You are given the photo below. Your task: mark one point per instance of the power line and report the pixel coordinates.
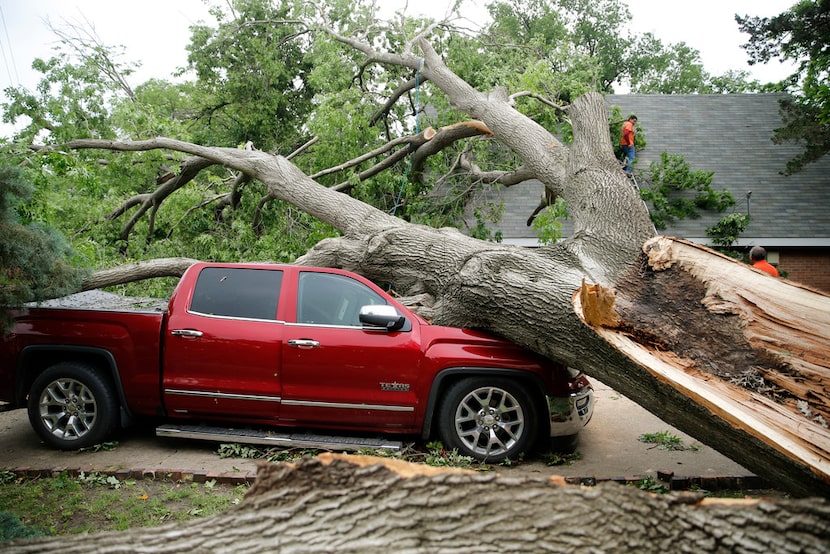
(16, 79)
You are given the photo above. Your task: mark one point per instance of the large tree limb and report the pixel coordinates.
(502, 177)
(359, 504)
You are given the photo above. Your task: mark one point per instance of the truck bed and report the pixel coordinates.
(102, 300)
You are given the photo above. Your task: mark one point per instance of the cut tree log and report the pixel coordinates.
(364, 504)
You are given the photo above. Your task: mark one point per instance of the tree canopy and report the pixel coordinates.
(264, 78)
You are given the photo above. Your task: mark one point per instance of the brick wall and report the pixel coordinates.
(810, 266)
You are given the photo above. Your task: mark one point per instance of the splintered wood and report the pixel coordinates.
(598, 305)
(783, 321)
(788, 321)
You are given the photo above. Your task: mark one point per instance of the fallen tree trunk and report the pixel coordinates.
(527, 295)
(359, 504)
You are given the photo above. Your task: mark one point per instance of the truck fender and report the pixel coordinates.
(36, 358)
(447, 376)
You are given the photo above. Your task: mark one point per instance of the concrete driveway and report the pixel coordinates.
(609, 446)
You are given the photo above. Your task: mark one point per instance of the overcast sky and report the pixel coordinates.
(155, 32)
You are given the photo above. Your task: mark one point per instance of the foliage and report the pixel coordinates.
(650, 484)
(435, 455)
(677, 69)
(487, 212)
(35, 262)
(251, 60)
(108, 446)
(12, 528)
(71, 101)
(726, 231)
(273, 455)
(581, 45)
(548, 222)
(675, 191)
(96, 479)
(263, 78)
(666, 441)
(552, 459)
(802, 35)
(236, 450)
(438, 456)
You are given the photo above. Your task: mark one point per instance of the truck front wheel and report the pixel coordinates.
(71, 406)
(488, 419)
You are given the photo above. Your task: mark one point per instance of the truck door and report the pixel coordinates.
(337, 373)
(222, 350)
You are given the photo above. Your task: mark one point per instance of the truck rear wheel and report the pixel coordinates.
(71, 406)
(488, 419)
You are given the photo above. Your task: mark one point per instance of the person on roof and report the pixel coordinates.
(758, 258)
(627, 142)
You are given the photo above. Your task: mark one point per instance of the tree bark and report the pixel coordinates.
(162, 267)
(363, 504)
(528, 295)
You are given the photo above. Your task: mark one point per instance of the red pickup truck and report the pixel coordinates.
(248, 352)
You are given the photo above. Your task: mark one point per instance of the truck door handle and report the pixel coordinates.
(304, 343)
(185, 333)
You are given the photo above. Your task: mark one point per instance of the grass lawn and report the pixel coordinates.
(95, 502)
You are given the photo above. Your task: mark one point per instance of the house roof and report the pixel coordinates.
(729, 134)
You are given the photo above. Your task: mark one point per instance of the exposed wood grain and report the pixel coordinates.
(786, 320)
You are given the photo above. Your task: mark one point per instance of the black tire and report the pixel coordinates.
(489, 419)
(72, 406)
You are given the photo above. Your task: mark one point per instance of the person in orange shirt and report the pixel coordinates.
(627, 142)
(758, 258)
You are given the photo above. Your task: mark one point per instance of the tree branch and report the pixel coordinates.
(152, 201)
(129, 273)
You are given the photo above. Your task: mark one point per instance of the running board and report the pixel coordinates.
(270, 438)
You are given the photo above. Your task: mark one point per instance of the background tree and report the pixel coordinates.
(801, 35)
(35, 261)
(250, 59)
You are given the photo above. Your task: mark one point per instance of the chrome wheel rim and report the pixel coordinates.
(489, 421)
(67, 409)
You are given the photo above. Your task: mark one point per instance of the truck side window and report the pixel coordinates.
(329, 299)
(237, 292)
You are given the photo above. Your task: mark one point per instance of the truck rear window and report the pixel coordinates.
(237, 292)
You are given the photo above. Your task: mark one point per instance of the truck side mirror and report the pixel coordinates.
(382, 315)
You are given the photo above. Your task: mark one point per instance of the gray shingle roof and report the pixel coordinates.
(727, 134)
